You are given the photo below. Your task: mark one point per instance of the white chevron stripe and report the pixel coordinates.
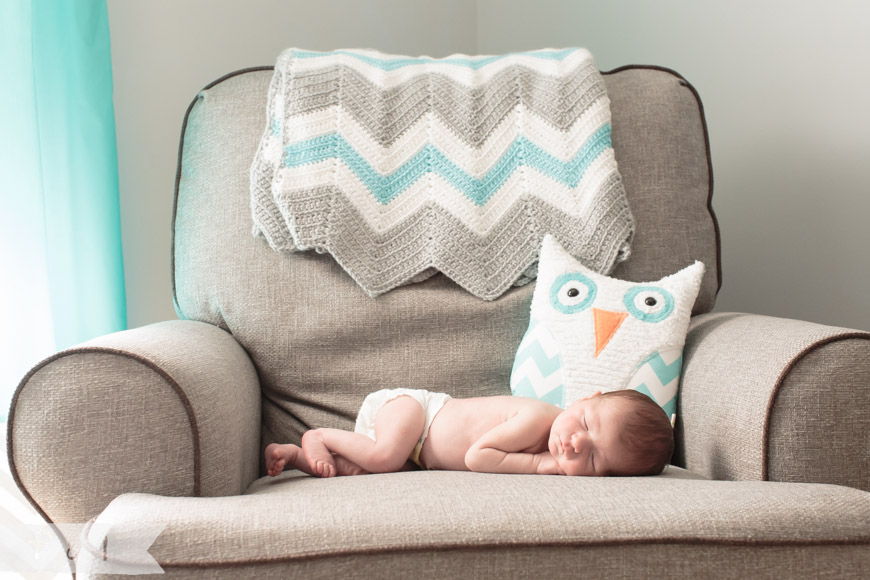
(662, 393)
(670, 354)
(540, 384)
(574, 202)
(476, 161)
(459, 73)
(530, 369)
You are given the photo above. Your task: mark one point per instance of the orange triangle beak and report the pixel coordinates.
(607, 323)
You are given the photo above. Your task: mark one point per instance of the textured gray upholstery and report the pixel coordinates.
(771, 398)
(171, 408)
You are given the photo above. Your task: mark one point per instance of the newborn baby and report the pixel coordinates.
(616, 433)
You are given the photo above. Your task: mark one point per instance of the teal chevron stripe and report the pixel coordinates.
(642, 388)
(385, 188)
(389, 64)
(523, 388)
(546, 364)
(665, 372)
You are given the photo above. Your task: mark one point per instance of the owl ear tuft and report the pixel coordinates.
(693, 272)
(686, 282)
(554, 259)
(549, 248)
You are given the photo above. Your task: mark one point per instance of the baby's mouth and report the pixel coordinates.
(560, 447)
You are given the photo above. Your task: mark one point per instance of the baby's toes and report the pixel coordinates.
(324, 469)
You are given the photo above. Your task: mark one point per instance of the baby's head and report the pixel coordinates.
(616, 433)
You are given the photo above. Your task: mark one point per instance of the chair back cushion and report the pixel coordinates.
(320, 344)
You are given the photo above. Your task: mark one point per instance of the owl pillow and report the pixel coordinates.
(589, 332)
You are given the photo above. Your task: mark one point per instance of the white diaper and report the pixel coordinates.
(431, 402)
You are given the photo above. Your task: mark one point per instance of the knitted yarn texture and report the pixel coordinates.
(401, 167)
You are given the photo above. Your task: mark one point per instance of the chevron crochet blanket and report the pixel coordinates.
(402, 167)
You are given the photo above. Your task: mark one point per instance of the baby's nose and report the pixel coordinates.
(578, 442)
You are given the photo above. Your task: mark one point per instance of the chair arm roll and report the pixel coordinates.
(765, 398)
(172, 408)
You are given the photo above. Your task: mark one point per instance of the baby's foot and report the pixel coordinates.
(319, 458)
(279, 456)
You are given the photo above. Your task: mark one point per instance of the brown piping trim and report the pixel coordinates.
(771, 403)
(749, 543)
(185, 401)
(683, 82)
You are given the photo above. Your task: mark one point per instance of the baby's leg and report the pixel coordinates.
(344, 466)
(398, 427)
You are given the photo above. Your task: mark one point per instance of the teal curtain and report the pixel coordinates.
(61, 264)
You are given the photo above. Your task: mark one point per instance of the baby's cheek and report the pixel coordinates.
(569, 466)
(579, 466)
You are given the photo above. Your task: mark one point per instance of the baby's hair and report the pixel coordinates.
(647, 434)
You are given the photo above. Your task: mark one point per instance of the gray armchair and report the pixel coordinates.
(166, 424)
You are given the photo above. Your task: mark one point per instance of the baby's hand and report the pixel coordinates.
(547, 464)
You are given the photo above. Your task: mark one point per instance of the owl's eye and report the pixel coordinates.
(649, 303)
(572, 293)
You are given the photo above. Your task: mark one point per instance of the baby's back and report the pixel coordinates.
(461, 422)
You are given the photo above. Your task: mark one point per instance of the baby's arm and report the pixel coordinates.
(499, 450)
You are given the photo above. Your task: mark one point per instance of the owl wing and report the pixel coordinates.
(537, 371)
(658, 376)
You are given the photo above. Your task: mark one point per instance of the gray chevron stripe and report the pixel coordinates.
(486, 266)
(268, 221)
(472, 113)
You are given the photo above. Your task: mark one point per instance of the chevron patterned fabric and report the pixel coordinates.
(402, 167)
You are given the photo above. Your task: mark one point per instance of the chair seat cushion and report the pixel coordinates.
(449, 524)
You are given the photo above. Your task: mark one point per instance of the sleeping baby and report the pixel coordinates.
(615, 433)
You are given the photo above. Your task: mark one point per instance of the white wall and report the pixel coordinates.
(786, 93)
(782, 82)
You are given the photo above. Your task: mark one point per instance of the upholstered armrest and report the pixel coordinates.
(172, 409)
(766, 398)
